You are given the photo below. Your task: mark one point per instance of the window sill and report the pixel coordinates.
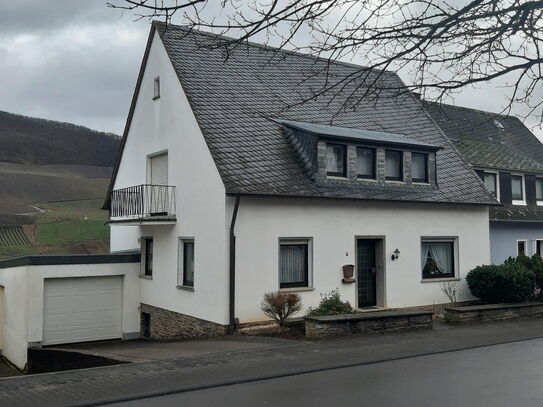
(186, 288)
(337, 177)
(295, 289)
(146, 277)
(367, 179)
(394, 181)
(520, 203)
(420, 183)
(438, 280)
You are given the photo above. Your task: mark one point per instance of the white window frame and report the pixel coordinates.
(497, 181)
(525, 246)
(148, 164)
(538, 202)
(516, 201)
(180, 261)
(534, 245)
(296, 240)
(456, 256)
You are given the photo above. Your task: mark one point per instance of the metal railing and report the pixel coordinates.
(142, 201)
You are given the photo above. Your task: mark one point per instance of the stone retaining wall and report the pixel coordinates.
(167, 324)
(368, 323)
(493, 312)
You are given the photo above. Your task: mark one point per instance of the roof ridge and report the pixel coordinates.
(438, 104)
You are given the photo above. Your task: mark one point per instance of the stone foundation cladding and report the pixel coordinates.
(493, 312)
(172, 325)
(367, 323)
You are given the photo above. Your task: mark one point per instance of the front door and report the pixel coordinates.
(366, 272)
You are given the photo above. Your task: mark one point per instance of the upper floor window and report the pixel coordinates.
(539, 189)
(365, 163)
(517, 188)
(156, 90)
(336, 160)
(185, 276)
(393, 165)
(491, 182)
(148, 256)
(419, 167)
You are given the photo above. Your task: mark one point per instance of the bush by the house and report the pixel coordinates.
(535, 265)
(280, 306)
(508, 282)
(330, 304)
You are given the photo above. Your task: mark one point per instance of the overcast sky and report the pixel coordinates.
(77, 61)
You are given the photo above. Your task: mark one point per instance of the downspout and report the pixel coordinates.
(232, 298)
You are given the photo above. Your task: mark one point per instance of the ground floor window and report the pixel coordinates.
(294, 263)
(538, 247)
(521, 248)
(148, 256)
(186, 262)
(438, 258)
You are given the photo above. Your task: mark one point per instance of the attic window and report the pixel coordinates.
(499, 124)
(156, 93)
(336, 162)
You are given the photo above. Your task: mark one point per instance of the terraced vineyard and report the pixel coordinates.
(13, 236)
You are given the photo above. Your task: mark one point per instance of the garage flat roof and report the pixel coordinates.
(45, 260)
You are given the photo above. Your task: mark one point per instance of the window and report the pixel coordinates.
(539, 189)
(437, 258)
(491, 182)
(521, 248)
(365, 163)
(186, 262)
(293, 263)
(148, 254)
(336, 163)
(419, 167)
(538, 246)
(517, 187)
(393, 165)
(156, 93)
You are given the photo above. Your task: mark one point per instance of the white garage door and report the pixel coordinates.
(82, 309)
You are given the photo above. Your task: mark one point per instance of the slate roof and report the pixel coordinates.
(516, 213)
(484, 144)
(234, 96)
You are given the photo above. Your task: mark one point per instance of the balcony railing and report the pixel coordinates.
(143, 202)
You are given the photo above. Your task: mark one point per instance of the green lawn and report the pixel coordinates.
(71, 231)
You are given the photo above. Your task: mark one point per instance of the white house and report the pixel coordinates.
(232, 188)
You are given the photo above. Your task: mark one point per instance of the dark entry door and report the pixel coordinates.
(366, 272)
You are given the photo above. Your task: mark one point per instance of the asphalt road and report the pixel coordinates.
(501, 375)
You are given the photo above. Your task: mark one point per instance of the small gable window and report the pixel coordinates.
(539, 189)
(491, 182)
(517, 188)
(156, 92)
(419, 167)
(393, 165)
(365, 163)
(336, 163)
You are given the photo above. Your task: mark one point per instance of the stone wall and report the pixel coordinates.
(493, 312)
(172, 325)
(367, 323)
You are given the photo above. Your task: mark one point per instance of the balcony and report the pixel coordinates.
(143, 204)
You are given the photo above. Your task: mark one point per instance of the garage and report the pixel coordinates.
(82, 309)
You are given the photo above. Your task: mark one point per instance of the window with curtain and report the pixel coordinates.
(516, 188)
(393, 165)
(148, 254)
(419, 167)
(186, 263)
(491, 182)
(365, 163)
(293, 263)
(521, 247)
(437, 259)
(336, 163)
(539, 189)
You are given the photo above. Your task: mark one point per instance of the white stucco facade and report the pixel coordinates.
(23, 301)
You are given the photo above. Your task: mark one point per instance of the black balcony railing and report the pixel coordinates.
(143, 201)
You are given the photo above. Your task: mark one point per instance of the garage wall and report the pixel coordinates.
(23, 298)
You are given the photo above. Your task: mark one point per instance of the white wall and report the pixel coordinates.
(23, 300)
(169, 124)
(333, 225)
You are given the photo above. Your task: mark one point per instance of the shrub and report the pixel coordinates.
(508, 282)
(330, 304)
(280, 306)
(535, 265)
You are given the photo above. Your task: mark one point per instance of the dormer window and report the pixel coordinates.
(517, 189)
(365, 163)
(419, 167)
(491, 182)
(156, 92)
(539, 190)
(393, 165)
(336, 160)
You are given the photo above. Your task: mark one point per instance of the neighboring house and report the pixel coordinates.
(231, 187)
(509, 159)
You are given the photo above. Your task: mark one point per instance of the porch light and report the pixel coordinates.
(395, 254)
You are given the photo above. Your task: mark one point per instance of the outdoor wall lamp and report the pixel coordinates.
(395, 254)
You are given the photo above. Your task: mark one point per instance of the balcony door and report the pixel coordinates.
(158, 178)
